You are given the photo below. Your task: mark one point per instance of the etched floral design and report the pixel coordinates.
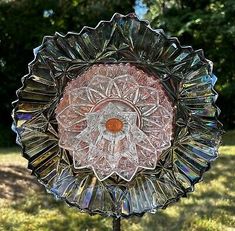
(115, 119)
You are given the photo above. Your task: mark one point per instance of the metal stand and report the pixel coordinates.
(116, 224)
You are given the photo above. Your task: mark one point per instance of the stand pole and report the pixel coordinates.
(116, 224)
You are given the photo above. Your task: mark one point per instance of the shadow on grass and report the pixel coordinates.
(6, 151)
(16, 182)
(228, 138)
(30, 198)
(63, 217)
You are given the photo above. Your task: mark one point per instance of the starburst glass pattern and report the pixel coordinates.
(108, 94)
(62, 60)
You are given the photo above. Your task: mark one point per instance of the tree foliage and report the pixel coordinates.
(23, 23)
(206, 24)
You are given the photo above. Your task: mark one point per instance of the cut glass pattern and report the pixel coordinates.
(105, 93)
(65, 62)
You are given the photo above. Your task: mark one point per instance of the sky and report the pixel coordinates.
(140, 8)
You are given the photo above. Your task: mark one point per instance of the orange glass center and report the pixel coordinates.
(114, 125)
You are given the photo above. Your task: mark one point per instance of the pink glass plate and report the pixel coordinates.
(127, 96)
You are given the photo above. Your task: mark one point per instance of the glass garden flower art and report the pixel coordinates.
(119, 119)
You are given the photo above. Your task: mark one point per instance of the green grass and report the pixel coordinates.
(210, 208)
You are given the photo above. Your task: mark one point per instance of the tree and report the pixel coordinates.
(23, 23)
(207, 24)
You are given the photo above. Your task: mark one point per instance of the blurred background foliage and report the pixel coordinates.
(207, 24)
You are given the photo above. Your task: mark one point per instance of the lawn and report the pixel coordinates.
(25, 206)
